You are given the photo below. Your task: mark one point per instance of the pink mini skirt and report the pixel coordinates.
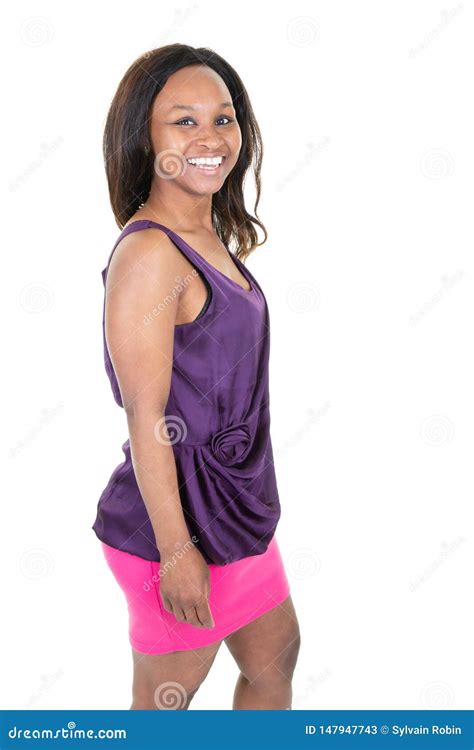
(239, 593)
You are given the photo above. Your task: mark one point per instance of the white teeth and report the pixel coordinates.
(208, 162)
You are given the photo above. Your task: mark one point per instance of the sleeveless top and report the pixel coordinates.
(218, 421)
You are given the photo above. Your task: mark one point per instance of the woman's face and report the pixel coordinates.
(193, 119)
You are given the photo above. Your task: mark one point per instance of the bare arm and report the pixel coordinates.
(141, 286)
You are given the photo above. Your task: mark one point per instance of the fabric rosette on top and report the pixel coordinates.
(232, 444)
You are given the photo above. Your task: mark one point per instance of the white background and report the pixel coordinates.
(365, 112)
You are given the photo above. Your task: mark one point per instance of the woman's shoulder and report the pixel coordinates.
(143, 250)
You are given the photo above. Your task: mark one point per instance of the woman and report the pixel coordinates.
(187, 521)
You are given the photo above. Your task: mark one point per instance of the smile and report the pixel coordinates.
(206, 163)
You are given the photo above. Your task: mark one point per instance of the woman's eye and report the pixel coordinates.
(189, 119)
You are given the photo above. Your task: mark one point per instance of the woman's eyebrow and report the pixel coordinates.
(188, 106)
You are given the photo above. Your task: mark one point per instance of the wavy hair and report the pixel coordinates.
(128, 152)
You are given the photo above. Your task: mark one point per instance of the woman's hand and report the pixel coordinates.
(185, 586)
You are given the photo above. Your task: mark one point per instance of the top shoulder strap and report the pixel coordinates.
(182, 245)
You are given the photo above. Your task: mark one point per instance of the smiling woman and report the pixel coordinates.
(187, 521)
(142, 137)
(176, 141)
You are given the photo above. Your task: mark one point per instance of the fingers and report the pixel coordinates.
(204, 614)
(188, 616)
(198, 614)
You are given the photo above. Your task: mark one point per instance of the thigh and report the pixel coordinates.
(267, 645)
(168, 681)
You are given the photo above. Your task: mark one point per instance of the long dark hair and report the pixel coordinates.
(128, 152)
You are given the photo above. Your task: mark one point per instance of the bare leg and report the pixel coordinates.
(169, 681)
(266, 652)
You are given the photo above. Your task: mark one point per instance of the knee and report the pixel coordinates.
(277, 669)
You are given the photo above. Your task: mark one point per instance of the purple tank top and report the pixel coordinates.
(218, 420)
